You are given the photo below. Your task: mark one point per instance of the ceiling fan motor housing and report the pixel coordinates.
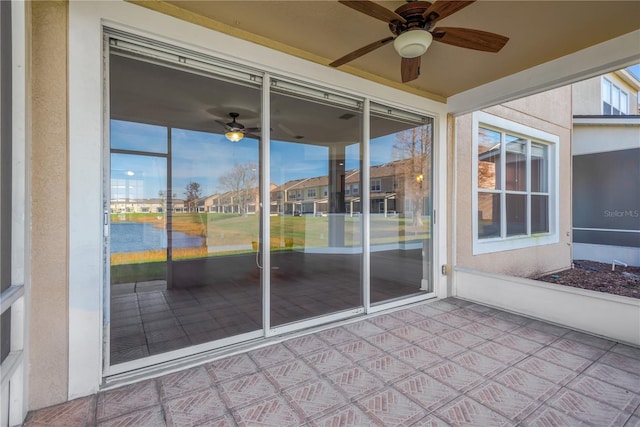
(412, 13)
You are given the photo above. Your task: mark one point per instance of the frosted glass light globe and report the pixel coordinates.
(413, 43)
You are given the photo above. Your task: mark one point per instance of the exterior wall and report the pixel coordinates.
(48, 325)
(587, 98)
(587, 95)
(550, 112)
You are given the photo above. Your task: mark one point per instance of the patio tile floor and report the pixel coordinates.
(442, 363)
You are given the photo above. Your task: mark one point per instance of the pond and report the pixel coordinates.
(139, 237)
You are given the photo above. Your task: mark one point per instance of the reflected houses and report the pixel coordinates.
(394, 189)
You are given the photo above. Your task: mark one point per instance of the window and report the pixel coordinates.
(311, 193)
(355, 189)
(375, 185)
(515, 175)
(615, 101)
(325, 191)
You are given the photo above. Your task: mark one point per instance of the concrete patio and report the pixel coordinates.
(447, 362)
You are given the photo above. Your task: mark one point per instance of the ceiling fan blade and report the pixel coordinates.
(374, 10)
(358, 53)
(470, 39)
(410, 69)
(251, 130)
(444, 8)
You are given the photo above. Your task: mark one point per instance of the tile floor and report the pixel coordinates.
(148, 319)
(438, 363)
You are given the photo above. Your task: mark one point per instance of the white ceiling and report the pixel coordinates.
(322, 31)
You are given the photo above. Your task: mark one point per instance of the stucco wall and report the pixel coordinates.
(550, 112)
(587, 95)
(48, 343)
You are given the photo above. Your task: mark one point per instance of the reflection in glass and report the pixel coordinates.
(488, 215)
(400, 198)
(315, 226)
(489, 175)
(539, 172)
(539, 214)
(138, 137)
(516, 205)
(516, 164)
(184, 210)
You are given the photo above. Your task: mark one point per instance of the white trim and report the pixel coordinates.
(504, 243)
(593, 61)
(607, 121)
(619, 230)
(365, 206)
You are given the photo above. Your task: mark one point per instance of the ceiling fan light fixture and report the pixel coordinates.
(234, 135)
(412, 44)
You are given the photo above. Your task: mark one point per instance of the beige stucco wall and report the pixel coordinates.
(587, 96)
(48, 326)
(550, 112)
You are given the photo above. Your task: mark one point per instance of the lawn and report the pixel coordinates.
(225, 234)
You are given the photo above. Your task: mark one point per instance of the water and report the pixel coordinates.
(138, 237)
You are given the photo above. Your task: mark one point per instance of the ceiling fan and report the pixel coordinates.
(413, 27)
(236, 131)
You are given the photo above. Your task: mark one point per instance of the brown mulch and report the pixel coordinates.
(597, 276)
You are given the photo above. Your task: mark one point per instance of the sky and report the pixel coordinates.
(205, 157)
(635, 69)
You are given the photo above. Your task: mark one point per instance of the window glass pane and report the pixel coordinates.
(516, 163)
(606, 109)
(539, 168)
(185, 219)
(400, 207)
(516, 205)
(5, 334)
(316, 248)
(539, 214)
(615, 98)
(138, 137)
(488, 215)
(606, 91)
(488, 159)
(624, 103)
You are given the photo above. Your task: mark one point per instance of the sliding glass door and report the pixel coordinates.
(184, 209)
(316, 220)
(197, 260)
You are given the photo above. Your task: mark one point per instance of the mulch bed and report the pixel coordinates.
(597, 276)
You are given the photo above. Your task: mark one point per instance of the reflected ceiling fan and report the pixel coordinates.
(412, 25)
(236, 131)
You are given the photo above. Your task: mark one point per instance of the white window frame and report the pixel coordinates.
(614, 98)
(498, 244)
(311, 193)
(376, 185)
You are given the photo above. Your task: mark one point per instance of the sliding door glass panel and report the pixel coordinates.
(315, 221)
(400, 191)
(138, 234)
(217, 214)
(184, 208)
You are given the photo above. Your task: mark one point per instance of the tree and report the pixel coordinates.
(192, 193)
(413, 150)
(242, 182)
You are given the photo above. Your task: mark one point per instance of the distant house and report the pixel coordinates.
(606, 168)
